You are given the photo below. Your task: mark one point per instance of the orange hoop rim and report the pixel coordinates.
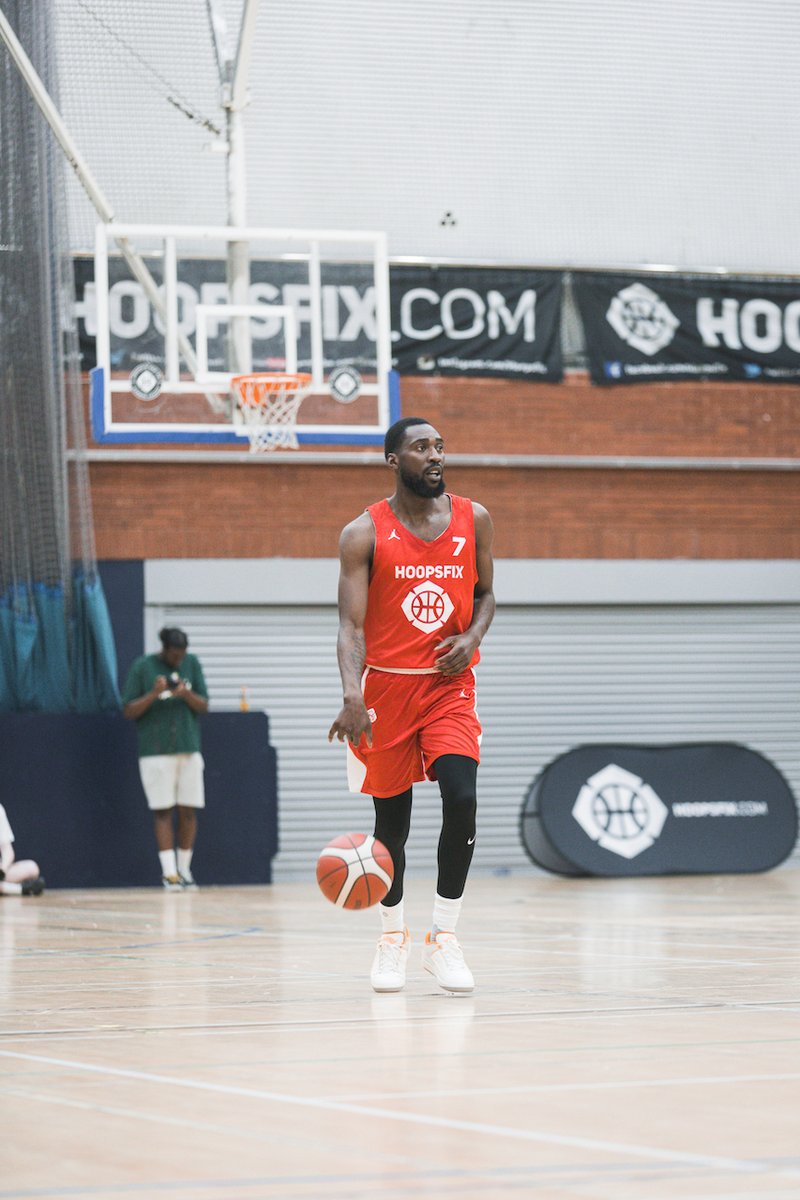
(273, 381)
(260, 391)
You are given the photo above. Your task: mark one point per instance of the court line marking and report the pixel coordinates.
(527, 1015)
(234, 1131)
(103, 1033)
(772, 1195)
(509, 1177)
(115, 952)
(526, 1088)
(713, 1162)
(118, 951)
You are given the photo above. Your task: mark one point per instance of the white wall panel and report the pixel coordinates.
(553, 676)
(557, 132)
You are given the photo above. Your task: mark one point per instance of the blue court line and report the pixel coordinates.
(109, 952)
(211, 937)
(501, 1174)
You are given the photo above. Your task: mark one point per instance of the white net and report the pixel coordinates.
(557, 133)
(141, 96)
(268, 405)
(45, 511)
(56, 644)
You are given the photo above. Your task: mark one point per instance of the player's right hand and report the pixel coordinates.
(159, 685)
(352, 723)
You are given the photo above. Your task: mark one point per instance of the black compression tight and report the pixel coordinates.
(456, 775)
(392, 825)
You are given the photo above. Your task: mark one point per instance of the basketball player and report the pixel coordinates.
(415, 600)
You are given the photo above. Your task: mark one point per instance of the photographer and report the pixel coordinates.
(164, 694)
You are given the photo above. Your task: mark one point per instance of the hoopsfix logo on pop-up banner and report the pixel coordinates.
(659, 810)
(619, 811)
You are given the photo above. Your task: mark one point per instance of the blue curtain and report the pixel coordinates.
(19, 628)
(94, 655)
(50, 662)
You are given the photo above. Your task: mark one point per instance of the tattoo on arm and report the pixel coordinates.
(358, 653)
(352, 653)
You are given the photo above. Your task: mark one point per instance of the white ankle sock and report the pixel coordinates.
(185, 863)
(392, 920)
(168, 863)
(445, 914)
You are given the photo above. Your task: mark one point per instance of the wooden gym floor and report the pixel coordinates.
(627, 1038)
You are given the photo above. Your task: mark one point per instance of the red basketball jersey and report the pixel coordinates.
(419, 592)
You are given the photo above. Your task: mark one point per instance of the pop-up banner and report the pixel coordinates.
(645, 328)
(706, 808)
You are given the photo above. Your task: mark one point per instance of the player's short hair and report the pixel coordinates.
(173, 638)
(395, 433)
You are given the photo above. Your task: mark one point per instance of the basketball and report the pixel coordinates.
(354, 871)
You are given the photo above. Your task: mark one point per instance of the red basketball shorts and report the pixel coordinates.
(415, 718)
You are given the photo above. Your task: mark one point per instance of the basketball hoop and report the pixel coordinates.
(268, 407)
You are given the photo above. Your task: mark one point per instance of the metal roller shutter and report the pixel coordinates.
(552, 677)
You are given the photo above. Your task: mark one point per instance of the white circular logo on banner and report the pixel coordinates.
(641, 318)
(427, 606)
(619, 811)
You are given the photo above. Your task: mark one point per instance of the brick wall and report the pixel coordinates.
(145, 510)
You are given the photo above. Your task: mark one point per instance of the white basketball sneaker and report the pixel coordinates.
(388, 972)
(444, 958)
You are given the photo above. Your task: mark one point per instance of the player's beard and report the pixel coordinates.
(420, 486)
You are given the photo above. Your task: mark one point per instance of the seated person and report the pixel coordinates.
(17, 878)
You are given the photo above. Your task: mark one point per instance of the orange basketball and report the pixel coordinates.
(355, 871)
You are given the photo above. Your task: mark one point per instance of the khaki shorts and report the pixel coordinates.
(170, 779)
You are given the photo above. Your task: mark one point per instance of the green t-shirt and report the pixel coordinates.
(169, 726)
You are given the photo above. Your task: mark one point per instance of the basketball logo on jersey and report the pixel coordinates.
(427, 606)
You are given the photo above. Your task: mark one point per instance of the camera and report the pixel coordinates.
(173, 681)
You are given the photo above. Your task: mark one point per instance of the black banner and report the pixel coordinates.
(662, 327)
(659, 810)
(488, 321)
(478, 321)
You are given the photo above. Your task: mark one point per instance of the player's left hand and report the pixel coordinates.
(458, 652)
